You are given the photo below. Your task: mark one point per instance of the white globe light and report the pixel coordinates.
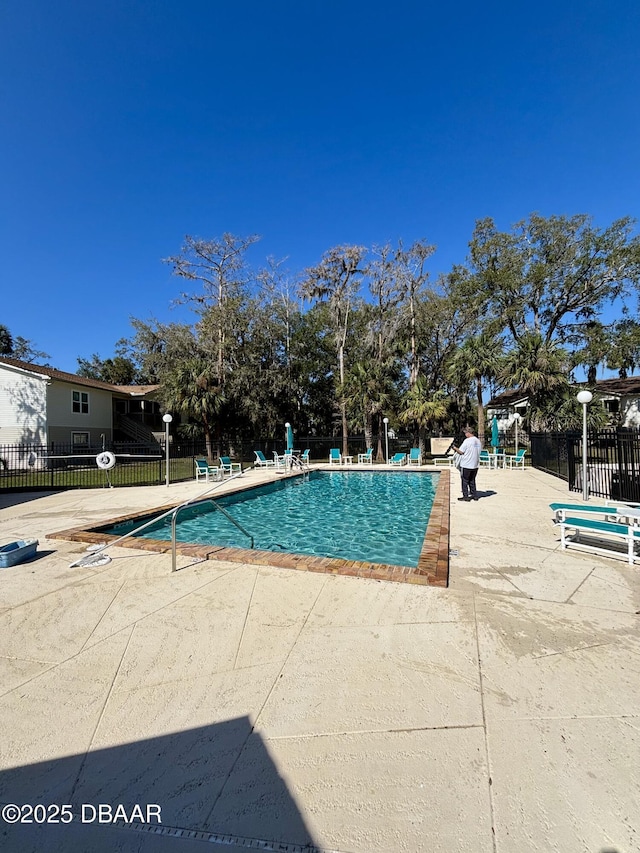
(585, 397)
(385, 420)
(167, 418)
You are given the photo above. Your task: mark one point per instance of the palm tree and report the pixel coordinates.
(539, 369)
(479, 358)
(366, 394)
(423, 409)
(191, 389)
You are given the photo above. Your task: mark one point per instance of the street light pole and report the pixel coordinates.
(167, 420)
(385, 421)
(584, 397)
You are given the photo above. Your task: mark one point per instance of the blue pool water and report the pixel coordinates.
(377, 517)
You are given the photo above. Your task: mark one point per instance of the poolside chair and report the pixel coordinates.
(203, 469)
(516, 461)
(304, 457)
(415, 457)
(485, 459)
(335, 457)
(262, 461)
(398, 459)
(444, 460)
(366, 457)
(229, 467)
(279, 460)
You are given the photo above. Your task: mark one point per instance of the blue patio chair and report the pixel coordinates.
(279, 460)
(366, 457)
(335, 457)
(415, 457)
(516, 461)
(262, 461)
(485, 459)
(203, 469)
(229, 467)
(398, 459)
(304, 457)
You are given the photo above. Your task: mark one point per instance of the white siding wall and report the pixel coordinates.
(22, 407)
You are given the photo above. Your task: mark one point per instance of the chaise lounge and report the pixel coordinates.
(398, 459)
(262, 461)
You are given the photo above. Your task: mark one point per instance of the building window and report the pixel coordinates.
(80, 403)
(80, 439)
(612, 406)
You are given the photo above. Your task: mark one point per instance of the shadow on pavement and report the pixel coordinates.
(213, 782)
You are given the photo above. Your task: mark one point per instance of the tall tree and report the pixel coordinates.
(549, 273)
(424, 408)
(191, 389)
(593, 342)
(219, 267)
(118, 370)
(336, 280)
(412, 273)
(540, 369)
(155, 348)
(476, 360)
(368, 391)
(624, 348)
(19, 347)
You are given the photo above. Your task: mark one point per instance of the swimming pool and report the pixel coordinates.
(378, 517)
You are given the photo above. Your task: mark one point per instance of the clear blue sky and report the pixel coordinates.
(126, 125)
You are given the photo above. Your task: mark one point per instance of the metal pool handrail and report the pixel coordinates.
(174, 521)
(85, 560)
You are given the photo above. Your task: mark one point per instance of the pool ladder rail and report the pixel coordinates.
(174, 522)
(97, 557)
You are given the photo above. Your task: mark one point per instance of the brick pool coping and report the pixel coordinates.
(432, 568)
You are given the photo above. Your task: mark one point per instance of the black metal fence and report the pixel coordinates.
(31, 467)
(613, 460)
(59, 466)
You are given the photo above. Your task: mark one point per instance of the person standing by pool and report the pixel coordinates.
(469, 451)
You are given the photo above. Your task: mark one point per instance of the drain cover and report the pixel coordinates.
(234, 841)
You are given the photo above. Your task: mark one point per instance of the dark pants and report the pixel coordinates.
(469, 482)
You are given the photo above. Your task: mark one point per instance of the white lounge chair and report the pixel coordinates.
(262, 461)
(229, 467)
(366, 457)
(415, 457)
(203, 469)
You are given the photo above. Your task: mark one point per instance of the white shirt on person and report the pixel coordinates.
(470, 448)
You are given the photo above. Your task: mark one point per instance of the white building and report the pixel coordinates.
(44, 407)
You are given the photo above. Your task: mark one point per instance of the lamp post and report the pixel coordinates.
(167, 420)
(517, 417)
(385, 421)
(584, 397)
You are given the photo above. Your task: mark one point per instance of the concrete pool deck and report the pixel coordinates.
(256, 704)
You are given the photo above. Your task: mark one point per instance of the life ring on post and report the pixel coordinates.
(105, 460)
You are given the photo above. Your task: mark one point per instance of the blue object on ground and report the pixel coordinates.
(17, 552)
